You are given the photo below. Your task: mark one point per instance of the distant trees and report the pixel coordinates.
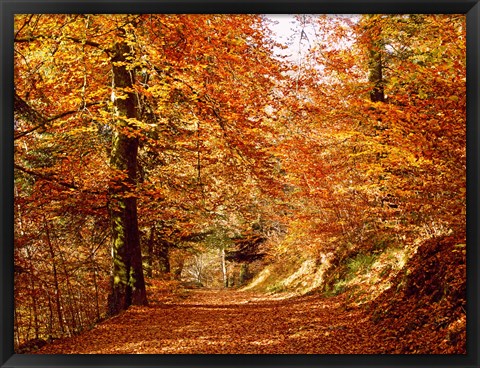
(378, 111)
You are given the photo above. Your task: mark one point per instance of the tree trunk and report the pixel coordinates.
(33, 289)
(163, 256)
(33, 293)
(55, 277)
(376, 75)
(244, 274)
(127, 281)
(224, 267)
(150, 252)
(95, 285)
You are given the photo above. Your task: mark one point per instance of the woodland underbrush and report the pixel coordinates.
(425, 310)
(415, 294)
(358, 269)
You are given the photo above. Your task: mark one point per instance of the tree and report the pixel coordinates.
(128, 285)
(366, 120)
(140, 120)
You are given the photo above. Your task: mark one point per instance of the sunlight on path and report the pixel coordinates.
(227, 322)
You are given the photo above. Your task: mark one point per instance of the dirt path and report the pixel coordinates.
(228, 322)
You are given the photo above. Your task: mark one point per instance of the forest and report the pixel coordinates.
(213, 183)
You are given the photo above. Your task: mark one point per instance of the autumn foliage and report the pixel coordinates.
(185, 148)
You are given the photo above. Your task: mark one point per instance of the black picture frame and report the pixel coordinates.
(10, 7)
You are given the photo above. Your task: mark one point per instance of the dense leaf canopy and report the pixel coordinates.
(186, 146)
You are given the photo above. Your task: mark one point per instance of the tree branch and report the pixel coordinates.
(74, 39)
(54, 179)
(44, 177)
(29, 113)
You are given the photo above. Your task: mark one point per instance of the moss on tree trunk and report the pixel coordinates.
(127, 280)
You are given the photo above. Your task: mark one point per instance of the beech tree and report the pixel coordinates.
(160, 110)
(128, 282)
(361, 105)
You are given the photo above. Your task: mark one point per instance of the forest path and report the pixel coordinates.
(228, 322)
